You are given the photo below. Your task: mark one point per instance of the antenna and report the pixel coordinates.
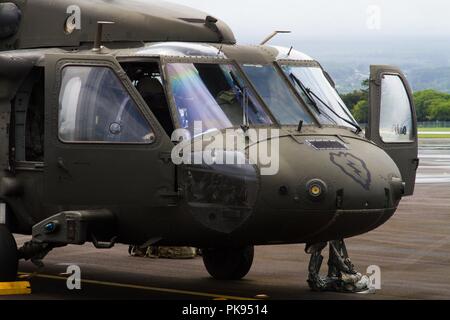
(99, 35)
(273, 34)
(300, 126)
(290, 50)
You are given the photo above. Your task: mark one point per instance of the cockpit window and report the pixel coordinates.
(315, 89)
(94, 106)
(212, 94)
(277, 95)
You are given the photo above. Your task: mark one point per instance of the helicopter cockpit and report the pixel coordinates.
(204, 85)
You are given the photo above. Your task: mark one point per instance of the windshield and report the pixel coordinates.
(282, 102)
(319, 94)
(213, 95)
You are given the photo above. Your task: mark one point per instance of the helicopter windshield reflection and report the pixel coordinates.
(208, 93)
(277, 95)
(322, 92)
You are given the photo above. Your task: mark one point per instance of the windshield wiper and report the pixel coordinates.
(311, 95)
(356, 126)
(310, 98)
(305, 91)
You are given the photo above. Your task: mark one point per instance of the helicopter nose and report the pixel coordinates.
(328, 189)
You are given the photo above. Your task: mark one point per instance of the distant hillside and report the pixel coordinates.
(437, 78)
(348, 77)
(426, 62)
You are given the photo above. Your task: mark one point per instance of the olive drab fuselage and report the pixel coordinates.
(332, 181)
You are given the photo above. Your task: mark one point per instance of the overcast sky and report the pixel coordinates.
(251, 20)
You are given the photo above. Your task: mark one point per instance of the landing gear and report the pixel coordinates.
(8, 256)
(342, 276)
(228, 263)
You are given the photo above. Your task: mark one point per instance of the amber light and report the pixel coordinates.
(315, 190)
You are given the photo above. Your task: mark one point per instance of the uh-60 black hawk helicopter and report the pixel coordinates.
(91, 92)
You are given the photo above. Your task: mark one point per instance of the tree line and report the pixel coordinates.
(431, 105)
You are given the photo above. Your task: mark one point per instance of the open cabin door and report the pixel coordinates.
(104, 146)
(393, 120)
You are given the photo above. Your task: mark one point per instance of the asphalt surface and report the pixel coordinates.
(412, 250)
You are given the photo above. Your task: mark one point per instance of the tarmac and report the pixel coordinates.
(412, 251)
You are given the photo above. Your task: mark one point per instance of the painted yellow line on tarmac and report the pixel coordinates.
(138, 287)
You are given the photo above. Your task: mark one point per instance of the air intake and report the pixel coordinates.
(327, 144)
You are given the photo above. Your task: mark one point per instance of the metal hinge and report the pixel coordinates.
(416, 162)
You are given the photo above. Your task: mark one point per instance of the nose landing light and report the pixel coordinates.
(316, 189)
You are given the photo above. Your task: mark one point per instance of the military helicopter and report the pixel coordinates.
(92, 92)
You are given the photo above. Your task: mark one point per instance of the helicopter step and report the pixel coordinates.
(71, 227)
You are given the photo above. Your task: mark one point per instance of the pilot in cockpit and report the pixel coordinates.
(153, 94)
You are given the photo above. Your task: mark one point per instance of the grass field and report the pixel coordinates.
(434, 136)
(434, 130)
(427, 133)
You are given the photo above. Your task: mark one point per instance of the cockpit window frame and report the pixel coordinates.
(300, 63)
(164, 60)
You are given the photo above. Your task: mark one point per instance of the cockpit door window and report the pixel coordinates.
(94, 107)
